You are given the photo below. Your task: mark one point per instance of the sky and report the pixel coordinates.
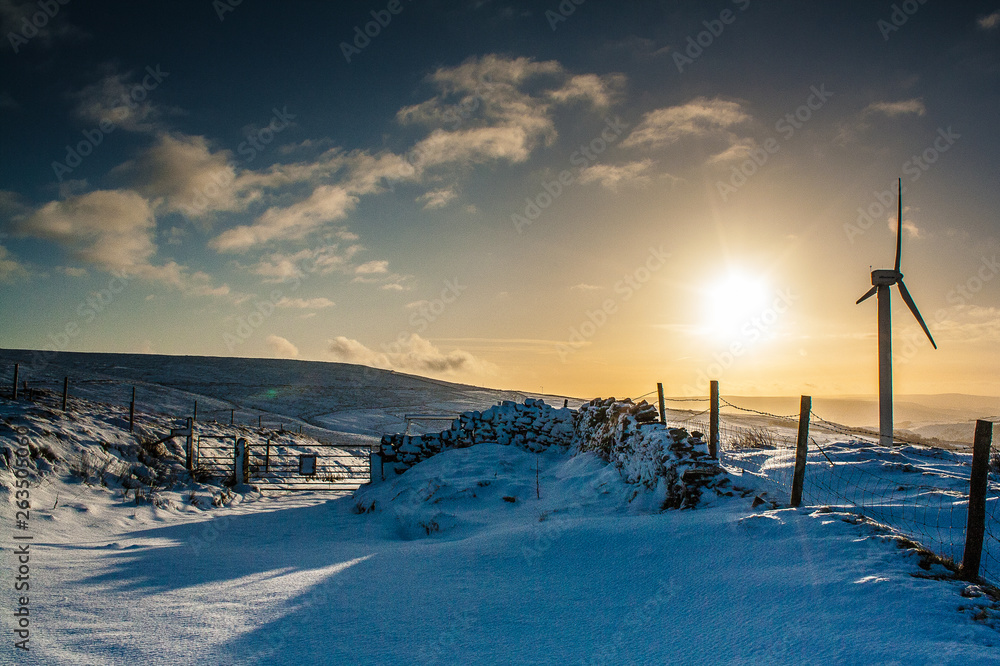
(579, 198)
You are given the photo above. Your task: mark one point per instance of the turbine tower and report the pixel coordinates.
(882, 280)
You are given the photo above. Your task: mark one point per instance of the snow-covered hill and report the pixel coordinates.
(490, 553)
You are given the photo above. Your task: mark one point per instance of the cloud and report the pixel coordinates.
(414, 355)
(737, 151)
(990, 22)
(185, 175)
(111, 229)
(372, 268)
(700, 117)
(599, 91)
(893, 109)
(499, 108)
(281, 348)
(10, 268)
(305, 303)
(611, 176)
(908, 225)
(327, 203)
(279, 267)
(14, 13)
(437, 198)
(115, 99)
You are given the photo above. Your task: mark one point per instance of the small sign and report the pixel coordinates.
(307, 464)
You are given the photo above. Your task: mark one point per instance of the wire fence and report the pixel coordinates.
(917, 491)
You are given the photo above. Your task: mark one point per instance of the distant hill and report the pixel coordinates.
(336, 397)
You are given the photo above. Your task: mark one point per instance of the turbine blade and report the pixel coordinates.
(913, 308)
(868, 294)
(899, 225)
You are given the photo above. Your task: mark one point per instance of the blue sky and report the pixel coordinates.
(577, 198)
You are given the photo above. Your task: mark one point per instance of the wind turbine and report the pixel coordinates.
(882, 280)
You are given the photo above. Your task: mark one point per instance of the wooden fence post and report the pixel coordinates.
(267, 455)
(801, 450)
(232, 416)
(131, 412)
(976, 528)
(713, 421)
(194, 416)
(65, 391)
(17, 366)
(192, 461)
(241, 462)
(663, 411)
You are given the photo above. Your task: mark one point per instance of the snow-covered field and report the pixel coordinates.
(447, 571)
(486, 554)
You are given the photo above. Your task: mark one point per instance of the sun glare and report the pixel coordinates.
(731, 301)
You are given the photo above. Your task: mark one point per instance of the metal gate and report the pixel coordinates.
(312, 466)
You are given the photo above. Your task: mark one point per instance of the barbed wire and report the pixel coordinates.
(757, 411)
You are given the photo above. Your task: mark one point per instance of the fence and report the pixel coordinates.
(274, 457)
(920, 492)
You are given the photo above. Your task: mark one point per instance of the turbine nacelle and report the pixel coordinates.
(885, 277)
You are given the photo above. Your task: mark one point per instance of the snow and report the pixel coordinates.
(466, 558)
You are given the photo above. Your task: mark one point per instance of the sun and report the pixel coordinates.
(731, 301)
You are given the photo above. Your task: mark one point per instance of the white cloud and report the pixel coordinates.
(893, 109)
(990, 22)
(281, 348)
(908, 225)
(111, 100)
(327, 203)
(737, 151)
(10, 268)
(700, 117)
(184, 175)
(304, 303)
(599, 91)
(372, 268)
(278, 266)
(415, 355)
(437, 198)
(111, 229)
(611, 176)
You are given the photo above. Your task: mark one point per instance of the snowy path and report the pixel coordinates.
(299, 580)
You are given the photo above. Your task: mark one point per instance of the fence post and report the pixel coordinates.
(801, 450)
(232, 416)
(663, 411)
(65, 391)
(977, 501)
(131, 412)
(713, 422)
(17, 366)
(267, 455)
(239, 454)
(191, 462)
(194, 416)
